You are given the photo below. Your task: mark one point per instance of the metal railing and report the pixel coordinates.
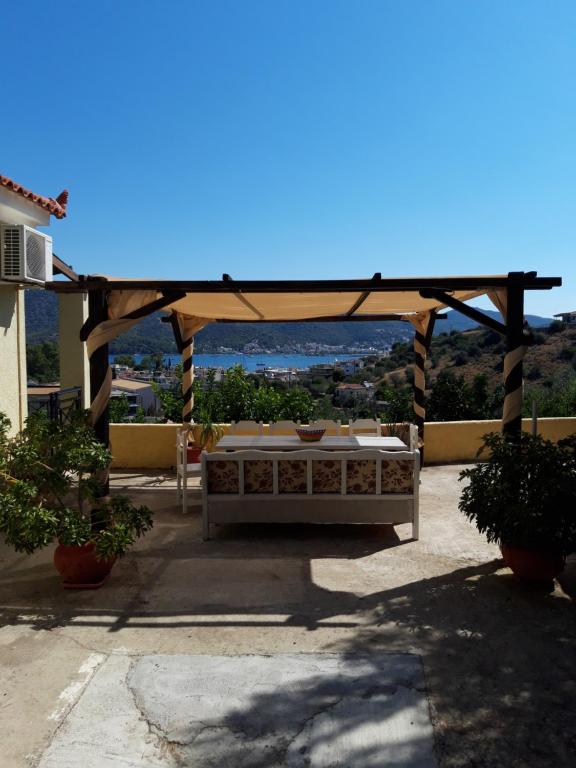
(58, 406)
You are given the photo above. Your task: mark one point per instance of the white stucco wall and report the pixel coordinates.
(74, 367)
(13, 400)
(14, 209)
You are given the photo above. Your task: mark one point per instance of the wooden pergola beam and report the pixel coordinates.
(464, 309)
(415, 284)
(60, 268)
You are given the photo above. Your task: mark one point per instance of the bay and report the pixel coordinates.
(253, 362)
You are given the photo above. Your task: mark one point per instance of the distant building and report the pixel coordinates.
(287, 375)
(139, 394)
(350, 367)
(567, 317)
(354, 393)
(205, 374)
(321, 371)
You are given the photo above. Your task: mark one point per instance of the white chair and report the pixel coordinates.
(184, 470)
(283, 427)
(365, 427)
(246, 428)
(332, 427)
(408, 433)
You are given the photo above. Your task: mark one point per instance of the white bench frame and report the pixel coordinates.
(310, 507)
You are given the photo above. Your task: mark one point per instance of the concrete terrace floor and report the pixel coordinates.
(499, 657)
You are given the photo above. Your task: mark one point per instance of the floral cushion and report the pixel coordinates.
(397, 476)
(292, 476)
(223, 476)
(326, 476)
(258, 477)
(361, 476)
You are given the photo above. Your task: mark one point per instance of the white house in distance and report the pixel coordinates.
(25, 261)
(348, 394)
(138, 393)
(350, 367)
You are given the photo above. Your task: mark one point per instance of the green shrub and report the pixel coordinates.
(524, 495)
(49, 490)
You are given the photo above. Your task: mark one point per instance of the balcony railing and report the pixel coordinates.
(59, 405)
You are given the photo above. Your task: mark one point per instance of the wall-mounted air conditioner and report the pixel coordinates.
(25, 254)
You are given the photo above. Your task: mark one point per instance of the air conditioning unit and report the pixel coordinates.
(25, 254)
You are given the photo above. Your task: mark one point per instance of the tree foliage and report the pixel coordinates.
(49, 487)
(524, 495)
(453, 399)
(237, 397)
(42, 362)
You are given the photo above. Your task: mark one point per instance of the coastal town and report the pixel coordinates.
(139, 387)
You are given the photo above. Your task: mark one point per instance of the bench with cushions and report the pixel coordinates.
(311, 486)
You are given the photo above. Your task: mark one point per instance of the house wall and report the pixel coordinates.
(13, 399)
(153, 446)
(14, 209)
(74, 366)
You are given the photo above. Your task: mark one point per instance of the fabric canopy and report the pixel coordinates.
(289, 307)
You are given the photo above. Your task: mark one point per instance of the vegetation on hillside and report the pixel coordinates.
(464, 373)
(42, 362)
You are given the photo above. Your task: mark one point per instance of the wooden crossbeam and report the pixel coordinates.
(482, 283)
(60, 268)
(464, 309)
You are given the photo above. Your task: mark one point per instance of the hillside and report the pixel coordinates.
(151, 335)
(551, 359)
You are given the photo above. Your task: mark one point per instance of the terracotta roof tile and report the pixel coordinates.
(57, 207)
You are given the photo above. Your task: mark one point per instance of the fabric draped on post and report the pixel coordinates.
(500, 300)
(517, 342)
(423, 326)
(187, 380)
(123, 309)
(513, 387)
(187, 328)
(120, 304)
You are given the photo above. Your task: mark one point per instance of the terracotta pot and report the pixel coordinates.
(532, 565)
(193, 455)
(79, 567)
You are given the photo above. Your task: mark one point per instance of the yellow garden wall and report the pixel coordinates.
(153, 446)
(451, 441)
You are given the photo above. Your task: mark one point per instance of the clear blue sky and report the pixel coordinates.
(299, 138)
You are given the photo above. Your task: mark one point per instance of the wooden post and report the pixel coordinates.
(516, 343)
(422, 341)
(100, 376)
(187, 379)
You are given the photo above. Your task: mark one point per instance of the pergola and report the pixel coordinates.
(116, 304)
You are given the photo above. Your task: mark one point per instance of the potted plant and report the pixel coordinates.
(49, 490)
(523, 497)
(207, 435)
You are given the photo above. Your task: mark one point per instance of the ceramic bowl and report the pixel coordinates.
(310, 434)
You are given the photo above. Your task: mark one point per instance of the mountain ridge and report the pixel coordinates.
(151, 335)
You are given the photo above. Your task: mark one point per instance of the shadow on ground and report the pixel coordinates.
(499, 657)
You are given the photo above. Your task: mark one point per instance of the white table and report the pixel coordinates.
(293, 443)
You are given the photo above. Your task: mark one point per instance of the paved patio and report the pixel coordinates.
(499, 658)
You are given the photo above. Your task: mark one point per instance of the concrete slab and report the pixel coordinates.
(499, 657)
(250, 711)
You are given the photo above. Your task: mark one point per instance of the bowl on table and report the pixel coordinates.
(310, 434)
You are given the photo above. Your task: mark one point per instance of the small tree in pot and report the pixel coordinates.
(49, 490)
(524, 498)
(206, 434)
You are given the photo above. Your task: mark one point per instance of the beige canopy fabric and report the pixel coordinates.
(119, 303)
(290, 307)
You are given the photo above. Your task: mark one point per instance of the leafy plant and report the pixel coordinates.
(49, 490)
(209, 433)
(525, 493)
